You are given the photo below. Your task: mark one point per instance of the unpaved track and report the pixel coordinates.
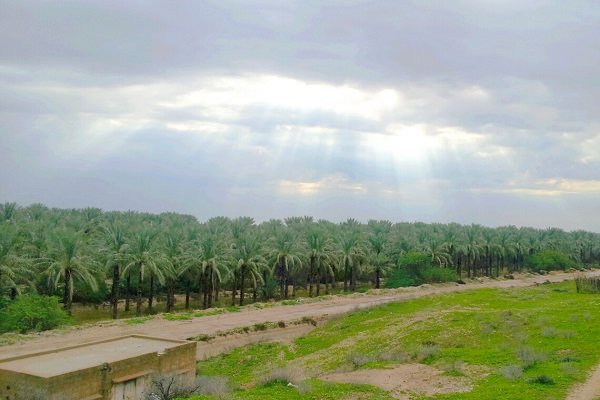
(212, 324)
(589, 390)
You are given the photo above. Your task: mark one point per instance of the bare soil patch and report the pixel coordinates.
(589, 390)
(405, 380)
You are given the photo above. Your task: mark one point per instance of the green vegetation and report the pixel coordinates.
(549, 260)
(532, 343)
(416, 268)
(32, 313)
(140, 264)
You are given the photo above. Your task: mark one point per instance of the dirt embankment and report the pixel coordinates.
(210, 325)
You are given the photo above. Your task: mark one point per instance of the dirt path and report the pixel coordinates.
(211, 324)
(589, 390)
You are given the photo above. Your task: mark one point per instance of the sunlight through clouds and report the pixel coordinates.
(233, 93)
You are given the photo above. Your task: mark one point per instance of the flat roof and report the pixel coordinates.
(70, 359)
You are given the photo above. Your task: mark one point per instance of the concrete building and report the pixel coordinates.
(113, 369)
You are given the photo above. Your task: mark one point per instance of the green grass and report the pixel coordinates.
(548, 331)
(137, 320)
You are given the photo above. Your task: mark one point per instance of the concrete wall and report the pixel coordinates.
(97, 382)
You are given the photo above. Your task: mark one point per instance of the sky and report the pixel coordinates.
(464, 111)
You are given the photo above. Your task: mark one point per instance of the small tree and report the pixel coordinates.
(32, 312)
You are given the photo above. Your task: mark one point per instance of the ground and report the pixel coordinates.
(362, 339)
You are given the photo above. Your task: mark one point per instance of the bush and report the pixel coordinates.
(415, 269)
(32, 312)
(549, 260)
(529, 357)
(542, 380)
(512, 372)
(439, 275)
(260, 326)
(170, 387)
(283, 375)
(358, 360)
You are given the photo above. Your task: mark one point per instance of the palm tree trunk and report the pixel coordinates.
(127, 290)
(234, 290)
(169, 305)
(353, 278)
(205, 296)
(242, 276)
(187, 294)
(68, 292)
(210, 288)
(345, 275)
(311, 276)
(377, 277)
(318, 276)
(114, 295)
(281, 273)
(151, 294)
(217, 290)
(13, 293)
(138, 306)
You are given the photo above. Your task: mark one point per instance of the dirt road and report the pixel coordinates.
(211, 324)
(589, 390)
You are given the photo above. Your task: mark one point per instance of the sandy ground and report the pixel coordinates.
(590, 390)
(223, 322)
(405, 380)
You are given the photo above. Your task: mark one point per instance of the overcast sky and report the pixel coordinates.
(468, 111)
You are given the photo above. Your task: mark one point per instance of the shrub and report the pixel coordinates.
(542, 380)
(260, 326)
(170, 387)
(529, 357)
(216, 386)
(439, 275)
(415, 269)
(358, 360)
(32, 312)
(427, 352)
(308, 320)
(283, 375)
(549, 260)
(512, 372)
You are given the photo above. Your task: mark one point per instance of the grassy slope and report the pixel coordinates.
(486, 328)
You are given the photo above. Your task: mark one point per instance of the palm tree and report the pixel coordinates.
(13, 269)
(350, 252)
(471, 249)
(285, 257)
(115, 250)
(318, 254)
(378, 259)
(143, 258)
(212, 254)
(65, 261)
(173, 264)
(249, 261)
(438, 252)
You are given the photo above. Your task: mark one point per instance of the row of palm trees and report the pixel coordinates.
(48, 249)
